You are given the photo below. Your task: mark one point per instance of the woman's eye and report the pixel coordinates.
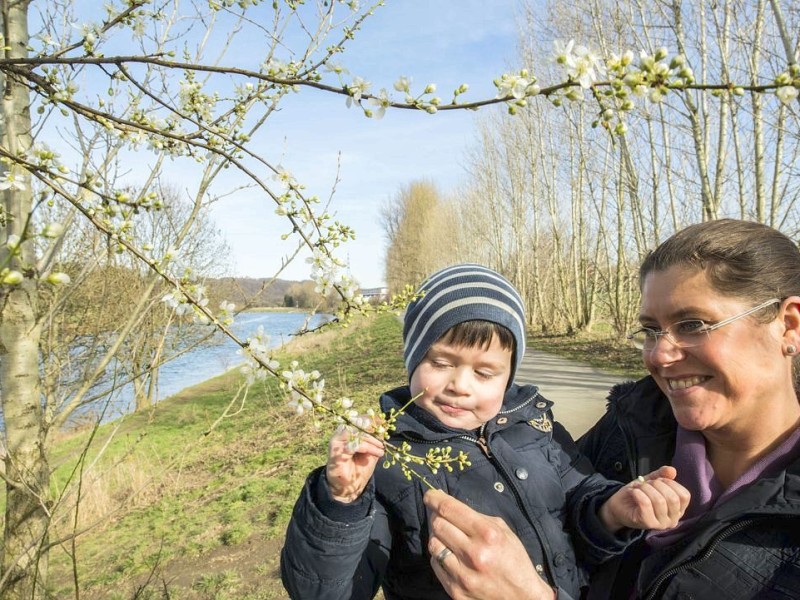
(689, 327)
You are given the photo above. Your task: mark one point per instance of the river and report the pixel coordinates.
(214, 359)
(211, 359)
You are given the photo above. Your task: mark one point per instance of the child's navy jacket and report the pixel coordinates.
(525, 469)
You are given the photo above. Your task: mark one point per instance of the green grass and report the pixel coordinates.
(214, 491)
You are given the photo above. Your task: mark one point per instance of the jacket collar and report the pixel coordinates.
(642, 405)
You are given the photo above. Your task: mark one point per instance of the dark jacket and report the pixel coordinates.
(747, 547)
(529, 474)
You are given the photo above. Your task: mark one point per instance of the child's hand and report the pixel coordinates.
(658, 502)
(349, 469)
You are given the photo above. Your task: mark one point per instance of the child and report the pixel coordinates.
(355, 527)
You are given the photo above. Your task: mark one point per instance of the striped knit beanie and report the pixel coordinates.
(456, 294)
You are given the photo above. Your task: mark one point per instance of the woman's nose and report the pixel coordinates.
(665, 351)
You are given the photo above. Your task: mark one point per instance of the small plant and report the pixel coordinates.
(234, 534)
(215, 585)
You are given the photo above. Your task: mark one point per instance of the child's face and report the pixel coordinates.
(462, 386)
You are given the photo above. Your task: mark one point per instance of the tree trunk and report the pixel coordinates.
(24, 554)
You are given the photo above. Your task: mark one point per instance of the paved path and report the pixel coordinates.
(577, 390)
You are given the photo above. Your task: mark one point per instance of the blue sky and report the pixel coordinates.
(447, 42)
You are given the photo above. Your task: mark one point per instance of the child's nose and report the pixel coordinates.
(460, 380)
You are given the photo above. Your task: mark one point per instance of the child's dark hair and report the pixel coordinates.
(478, 334)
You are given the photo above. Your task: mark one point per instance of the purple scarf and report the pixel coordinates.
(696, 474)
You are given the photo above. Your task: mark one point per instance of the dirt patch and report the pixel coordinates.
(250, 570)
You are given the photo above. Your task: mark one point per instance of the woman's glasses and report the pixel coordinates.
(689, 333)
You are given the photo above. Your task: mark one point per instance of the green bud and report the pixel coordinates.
(12, 277)
(783, 79)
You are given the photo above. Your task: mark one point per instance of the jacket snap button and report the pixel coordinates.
(502, 420)
(499, 486)
(618, 466)
(559, 560)
(541, 405)
(521, 473)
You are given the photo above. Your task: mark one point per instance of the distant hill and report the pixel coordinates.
(241, 290)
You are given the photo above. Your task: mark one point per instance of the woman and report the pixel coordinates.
(720, 332)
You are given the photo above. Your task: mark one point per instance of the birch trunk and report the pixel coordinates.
(24, 556)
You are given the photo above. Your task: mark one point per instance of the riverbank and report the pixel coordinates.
(194, 496)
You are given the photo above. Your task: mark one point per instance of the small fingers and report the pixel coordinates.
(662, 502)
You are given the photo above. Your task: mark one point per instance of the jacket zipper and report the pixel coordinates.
(712, 546)
(483, 444)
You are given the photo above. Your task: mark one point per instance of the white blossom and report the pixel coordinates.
(10, 182)
(512, 85)
(403, 84)
(584, 66)
(381, 102)
(356, 89)
(787, 93)
(337, 68)
(562, 52)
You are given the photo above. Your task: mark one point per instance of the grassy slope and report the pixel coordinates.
(209, 523)
(209, 516)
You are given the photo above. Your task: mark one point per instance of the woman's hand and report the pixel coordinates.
(655, 501)
(349, 469)
(487, 561)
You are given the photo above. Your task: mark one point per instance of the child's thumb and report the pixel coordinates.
(665, 472)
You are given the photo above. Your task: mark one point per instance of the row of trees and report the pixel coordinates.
(567, 210)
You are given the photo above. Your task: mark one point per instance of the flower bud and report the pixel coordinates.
(12, 277)
(677, 61)
(783, 79)
(58, 279)
(627, 58)
(52, 230)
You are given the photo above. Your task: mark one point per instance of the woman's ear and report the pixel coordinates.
(791, 323)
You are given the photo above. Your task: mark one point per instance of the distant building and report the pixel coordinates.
(380, 293)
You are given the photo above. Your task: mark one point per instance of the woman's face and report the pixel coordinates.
(738, 373)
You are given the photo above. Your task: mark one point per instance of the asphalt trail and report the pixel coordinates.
(578, 390)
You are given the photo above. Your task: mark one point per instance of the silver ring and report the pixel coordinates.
(443, 554)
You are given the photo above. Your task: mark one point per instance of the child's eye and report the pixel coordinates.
(484, 374)
(439, 364)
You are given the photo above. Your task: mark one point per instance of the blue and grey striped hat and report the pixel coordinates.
(456, 294)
